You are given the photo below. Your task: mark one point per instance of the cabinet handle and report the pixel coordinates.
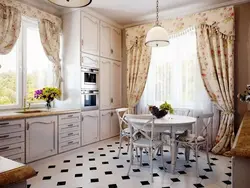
(112, 51)
(111, 100)
(82, 42)
(71, 142)
(4, 123)
(71, 125)
(70, 134)
(2, 149)
(91, 116)
(111, 113)
(28, 126)
(5, 136)
(69, 116)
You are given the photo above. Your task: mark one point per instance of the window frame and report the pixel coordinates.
(21, 69)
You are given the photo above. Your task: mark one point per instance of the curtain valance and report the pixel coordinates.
(223, 18)
(33, 12)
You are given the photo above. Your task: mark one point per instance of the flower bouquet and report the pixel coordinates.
(165, 108)
(48, 94)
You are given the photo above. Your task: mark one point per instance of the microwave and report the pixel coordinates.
(89, 78)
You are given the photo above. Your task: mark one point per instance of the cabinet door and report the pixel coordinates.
(105, 120)
(115, 128)
(89, 61)
(105, 84)
(116, 44)
(41, 138)
(90, 34)
(105, 37)
(90, 127)
(116, 84)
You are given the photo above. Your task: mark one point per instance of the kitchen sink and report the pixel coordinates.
(30, 111)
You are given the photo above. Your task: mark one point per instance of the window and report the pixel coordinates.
(174, 76)
(25, 69)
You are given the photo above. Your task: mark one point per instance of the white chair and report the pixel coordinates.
(124, 131)
(142, 136)
(197, 140)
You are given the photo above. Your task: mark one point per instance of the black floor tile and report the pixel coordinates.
(165, 151)
(136, 170)
(124, 153)
(28, 186)
(155, 175)
(112, 186)
(92, 168)
(208, 170)
(125, 177)
(198, 185)
(52, 166)
(214, 159)
(117, 142)
(188, 166)
(94, 180)
(119, 166)
(92, 159)
(192, 160)
(109, 146)
(105, 162)
(145, 164)
(79, 164)
(128, 161)
(115, 158)
(145, 183)
(203, 177)
(175, 180)
(47, 178)
(168, 162)
(227, 182)
(182, 172)
(64, 170)
(108, 172)
(112, 151)
(102, 155)
(180, 153)
(66, 161)
(100, 149)
(229, 174)
(79, 156)
(90, 152)
(78, 175)
(61, 183)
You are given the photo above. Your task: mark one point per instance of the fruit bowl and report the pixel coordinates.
(157, 113)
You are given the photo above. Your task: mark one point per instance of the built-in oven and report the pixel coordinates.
(89, 78)
(90, 99)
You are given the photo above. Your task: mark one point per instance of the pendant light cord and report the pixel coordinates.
(157, 13)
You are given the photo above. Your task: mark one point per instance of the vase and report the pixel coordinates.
(48, 105)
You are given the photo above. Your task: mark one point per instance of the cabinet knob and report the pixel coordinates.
(111, 100)
(112, 51)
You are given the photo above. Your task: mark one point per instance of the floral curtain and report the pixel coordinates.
(216, 59)
(10, 25)
(50, 38)
(138, 60)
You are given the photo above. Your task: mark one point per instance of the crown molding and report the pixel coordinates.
(182, 11)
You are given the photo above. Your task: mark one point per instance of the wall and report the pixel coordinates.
(242, 57)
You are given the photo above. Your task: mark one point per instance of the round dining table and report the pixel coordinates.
(171, 123)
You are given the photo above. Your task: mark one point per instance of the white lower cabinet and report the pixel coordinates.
(109, 126)
(90, 127)
(41, 137)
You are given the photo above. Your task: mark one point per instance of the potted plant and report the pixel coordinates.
(48, 94)
(167, 107)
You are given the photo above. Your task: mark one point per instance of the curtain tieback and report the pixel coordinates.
(228, 112)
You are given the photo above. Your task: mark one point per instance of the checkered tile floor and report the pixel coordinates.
(97, 166)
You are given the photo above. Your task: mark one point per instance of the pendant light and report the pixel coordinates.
(71, 3)
(157, 36)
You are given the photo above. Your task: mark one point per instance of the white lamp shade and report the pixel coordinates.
(157, 37)
(71, 3)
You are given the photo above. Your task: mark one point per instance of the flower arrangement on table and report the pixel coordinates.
(165, 108)
(245, 97)
(48, 94)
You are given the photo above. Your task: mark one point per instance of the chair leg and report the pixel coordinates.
(128, 145)
(131, 158)
(208, 159)
(141, 156)
(162, 158)
(187, 154)
(196, 158)
(120, 145)
(136, 154)
(151, 164)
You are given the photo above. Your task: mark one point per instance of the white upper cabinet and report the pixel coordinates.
(116, 44)
(105, 83)
(89, 61)
(41, 137)
(116, 83)
(90, 34)
(110, 39)
(105, 36)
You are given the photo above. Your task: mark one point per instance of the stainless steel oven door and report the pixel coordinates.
(89, 78)
(90, 99)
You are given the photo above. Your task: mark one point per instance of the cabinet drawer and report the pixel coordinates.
(12, 149)
(67, 128)
(18, 157)
(69, 136)
(69, 145)
(11, 126)
(69, 118)
(11, 138)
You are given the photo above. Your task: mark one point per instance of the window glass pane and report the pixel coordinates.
(39, 68)
(8, 78)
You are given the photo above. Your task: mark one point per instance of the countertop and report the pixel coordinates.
(12, 172)
(13, 115)
(241, 146)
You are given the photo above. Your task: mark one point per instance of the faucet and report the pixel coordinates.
(25, 103)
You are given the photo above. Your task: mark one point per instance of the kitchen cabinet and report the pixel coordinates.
(90, 28)
(110, 84)
(109, 126)
(90, 127)
(110, 41)
(41, 137)
(90, 61)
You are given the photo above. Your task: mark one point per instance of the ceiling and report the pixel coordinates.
(126, 12)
